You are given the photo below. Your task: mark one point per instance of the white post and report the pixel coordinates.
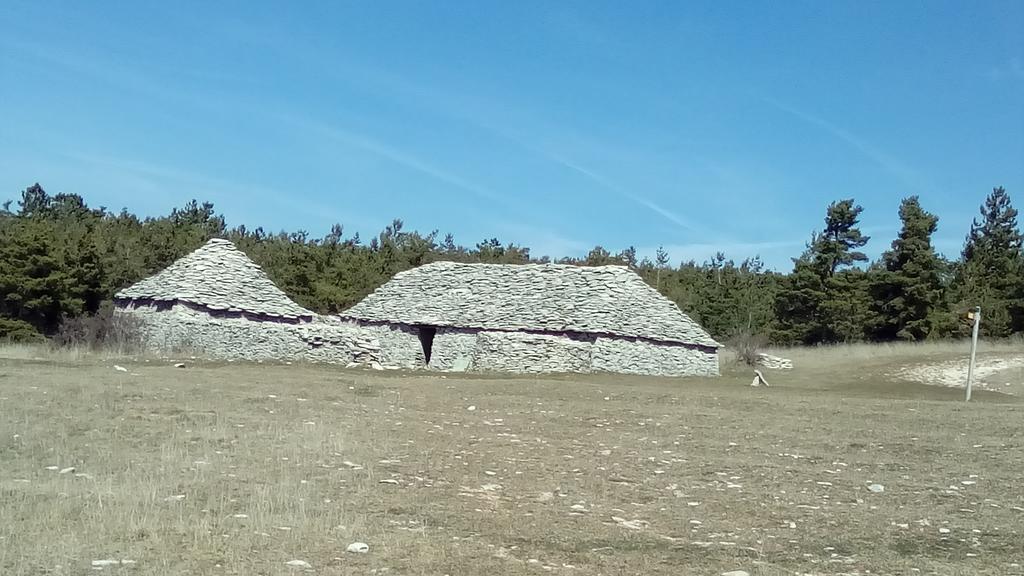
(974, 351)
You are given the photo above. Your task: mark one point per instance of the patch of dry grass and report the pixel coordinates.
(43, 352)
(845, 354)
(238, 469)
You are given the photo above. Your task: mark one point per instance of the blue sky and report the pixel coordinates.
(559, 125)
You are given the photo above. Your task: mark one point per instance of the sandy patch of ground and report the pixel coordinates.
(1005, 374)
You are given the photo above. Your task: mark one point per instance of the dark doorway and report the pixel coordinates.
(427, 341)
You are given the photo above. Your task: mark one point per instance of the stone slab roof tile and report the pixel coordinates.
(548, 297)
(217, 276)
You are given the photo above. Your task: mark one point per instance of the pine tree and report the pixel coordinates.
(837, 245)
(908, 293)
(821, 301)
(990, 270)
(660, 263)
(31, 280)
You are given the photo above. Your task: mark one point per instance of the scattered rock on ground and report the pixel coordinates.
(736, 573)
(298, 564)
(358, 548)
(100, 564)
(179, 365)
(120, 368)
(631, 524)
(876, 488)
(774, 362)
(67, 470)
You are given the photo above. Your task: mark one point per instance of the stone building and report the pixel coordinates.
(217, 303)
(532, 318)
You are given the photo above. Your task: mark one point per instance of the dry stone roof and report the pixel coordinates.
(218, 276)
(538, 297)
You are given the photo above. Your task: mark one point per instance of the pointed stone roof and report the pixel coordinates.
(539, 297)
(217, 276)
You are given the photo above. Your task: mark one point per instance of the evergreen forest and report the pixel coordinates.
(61, 259)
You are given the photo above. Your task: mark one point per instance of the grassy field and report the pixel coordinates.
(240, 469)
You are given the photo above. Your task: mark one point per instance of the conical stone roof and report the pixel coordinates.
(220, 277)
(535, 297)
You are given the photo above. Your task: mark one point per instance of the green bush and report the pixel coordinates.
(18, 331)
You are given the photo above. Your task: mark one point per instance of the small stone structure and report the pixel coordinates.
(217, 303)
(774, 362)
(532, 318)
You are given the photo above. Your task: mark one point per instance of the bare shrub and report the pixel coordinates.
(748, 346)
(105, 330)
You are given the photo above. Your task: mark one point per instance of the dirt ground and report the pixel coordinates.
(241, 469)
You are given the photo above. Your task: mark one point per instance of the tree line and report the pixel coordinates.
(61, 259)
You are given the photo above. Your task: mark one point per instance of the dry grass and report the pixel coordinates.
(845, 354)
(237, 469)
(64, 354)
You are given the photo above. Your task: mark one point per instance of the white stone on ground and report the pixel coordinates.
(104, 563)
(298, 564)
(631, 524)
(358, 548)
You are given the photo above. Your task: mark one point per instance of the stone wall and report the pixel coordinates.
(626, 356)
(530, 353)
(399, 345)
(774, 362)
(461, 349)
(167, 328)
(453, 349)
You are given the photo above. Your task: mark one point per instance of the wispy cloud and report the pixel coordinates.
(907, 175)
(483, 115)
(591, 175)
(178, 185)
(621, 191)
(398, 156)
(111, 70)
